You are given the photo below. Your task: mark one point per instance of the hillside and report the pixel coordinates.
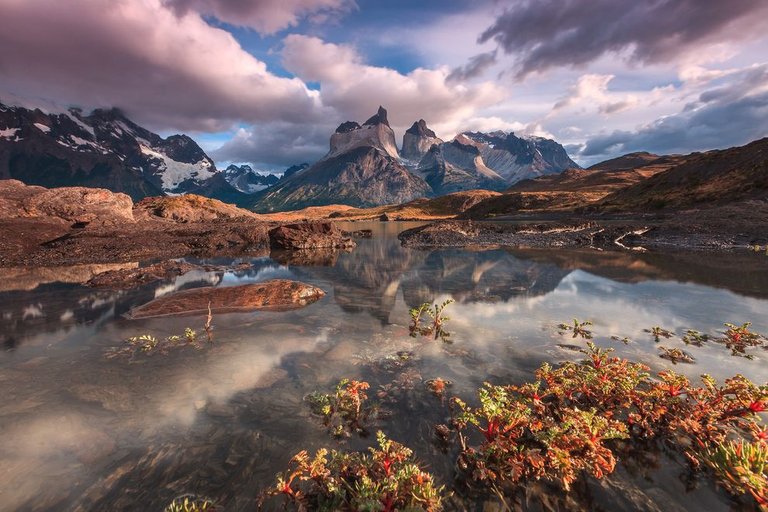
(570, 190)
(704, 179)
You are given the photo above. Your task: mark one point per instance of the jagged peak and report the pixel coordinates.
(420, 128)
(470, 148)
(379, 118)
(109, 114)
(347, 126)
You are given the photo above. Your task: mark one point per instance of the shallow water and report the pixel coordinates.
(83, 431)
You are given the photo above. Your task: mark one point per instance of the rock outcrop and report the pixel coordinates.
(315, 235)
(191, 208)
(417, 140)
(273, 295)
(75, 205)
(375, 133)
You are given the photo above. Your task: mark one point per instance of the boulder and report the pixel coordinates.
(273, 295)
(308, 236)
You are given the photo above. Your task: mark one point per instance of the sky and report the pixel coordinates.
(266, 82)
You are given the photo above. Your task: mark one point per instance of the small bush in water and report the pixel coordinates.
(345, 410)
(563, 424)
(385, 479)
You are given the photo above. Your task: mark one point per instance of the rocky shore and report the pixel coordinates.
(729, 228)
(78, 225)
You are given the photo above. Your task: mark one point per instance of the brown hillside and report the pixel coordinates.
(704, 179)
(569, 190)
(442, 207)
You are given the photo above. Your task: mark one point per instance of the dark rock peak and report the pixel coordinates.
(379, 118)
(294, 169)
(420, 128)
(469, 148)
(434, 148)
(108, 114)
(244, 167)
(348, 126)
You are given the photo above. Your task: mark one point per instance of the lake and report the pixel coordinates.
(86, 426)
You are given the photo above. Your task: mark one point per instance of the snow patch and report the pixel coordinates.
(43, 128)
(8, 133)
(81, 124)
(173, 173)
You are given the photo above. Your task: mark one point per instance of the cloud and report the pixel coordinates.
(475, 67)
(350, 89)
(729, 115)
(591, 90)
(276, 146)
(266, 16)
(543, 34)
(355, 89)
(167, 71)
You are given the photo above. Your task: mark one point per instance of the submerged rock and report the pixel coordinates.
(308, 236)
(273, 295)
(130, 277)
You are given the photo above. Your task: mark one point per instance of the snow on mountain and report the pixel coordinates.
(103, 148)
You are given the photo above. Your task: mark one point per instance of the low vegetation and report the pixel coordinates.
(385, 479)
(346, 410)
(191, 504)
(434, 326)
(573, 420)
(578, 329)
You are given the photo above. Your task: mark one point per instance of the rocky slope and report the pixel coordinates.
(628, 161)
(453, 167)
(103, 149)
(572, 189)
(248, 181)
(704, 179)
(362, 168)
(515, 158)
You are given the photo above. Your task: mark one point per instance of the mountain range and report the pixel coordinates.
(363, 166)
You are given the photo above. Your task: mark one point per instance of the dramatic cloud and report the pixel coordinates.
(276, 146)
(163, 70)
(355, 89)
(266, 16)
(475, 67)
(543, 34)
(721, 117)
(593, 91)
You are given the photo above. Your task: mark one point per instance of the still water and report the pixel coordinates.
(80, 430)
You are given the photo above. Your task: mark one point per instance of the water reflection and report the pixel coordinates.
(82, 432)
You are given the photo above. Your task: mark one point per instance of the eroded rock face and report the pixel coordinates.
(417, 140)
(273, 295)
(71, 204)
(308, 236)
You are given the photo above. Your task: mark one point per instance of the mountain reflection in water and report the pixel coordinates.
(84, 432)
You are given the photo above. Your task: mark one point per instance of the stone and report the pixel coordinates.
(80, 206)
(308, 236)
(273, 295)
(131, 277)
